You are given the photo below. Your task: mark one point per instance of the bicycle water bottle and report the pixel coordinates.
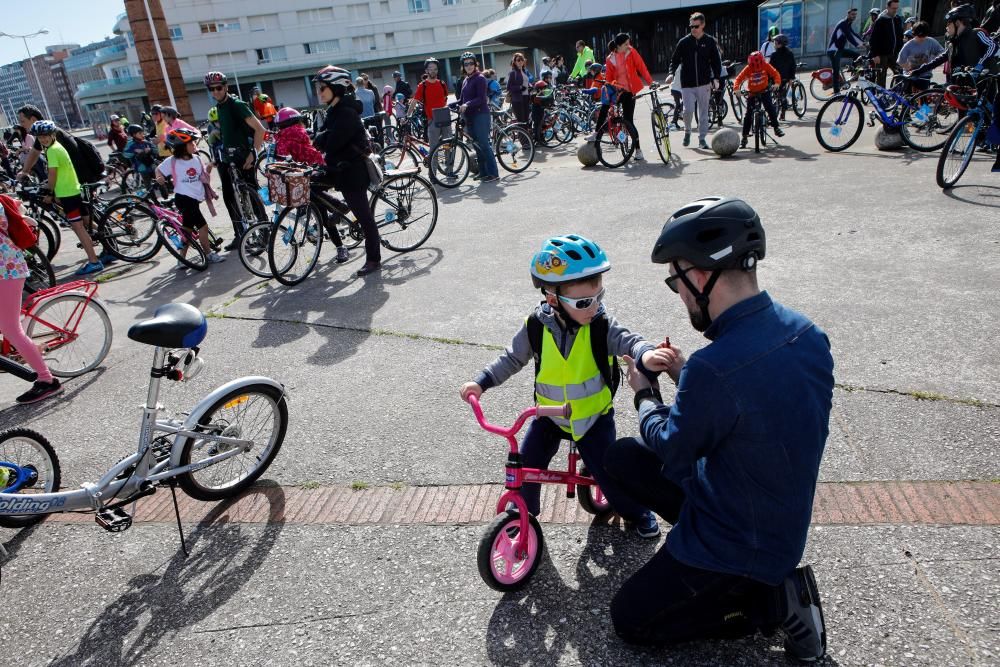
(177, 241)
(265, 195)
(423, 151)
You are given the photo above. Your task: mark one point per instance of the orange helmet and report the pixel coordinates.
(755, 60)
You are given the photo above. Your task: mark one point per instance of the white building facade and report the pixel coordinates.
(279, 45)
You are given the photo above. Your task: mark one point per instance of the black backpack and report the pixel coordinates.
(89, 164)
(611, 373)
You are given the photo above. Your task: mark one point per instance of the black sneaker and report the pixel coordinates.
(40, 391)
(803, 627)
(743, 142)
(778, 131)
(232, 245)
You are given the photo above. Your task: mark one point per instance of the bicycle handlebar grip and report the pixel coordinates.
(553, 411)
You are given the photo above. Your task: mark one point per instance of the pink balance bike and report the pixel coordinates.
(512, 546)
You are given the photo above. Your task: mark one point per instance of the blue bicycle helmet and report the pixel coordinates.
(43, 127)
(564, 259)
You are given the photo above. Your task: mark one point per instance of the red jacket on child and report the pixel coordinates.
(294, 140)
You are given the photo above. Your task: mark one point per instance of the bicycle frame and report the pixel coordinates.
(873, 91)
(517, 475)
(107, 490)
(66, 332)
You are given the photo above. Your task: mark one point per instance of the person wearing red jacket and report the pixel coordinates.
(627, 72)
(757, 74)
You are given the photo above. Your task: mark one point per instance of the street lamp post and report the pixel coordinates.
(38, 82)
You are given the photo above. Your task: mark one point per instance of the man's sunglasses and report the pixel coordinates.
(582, 303)
(671, 281)
(694, 26)
(216, 89)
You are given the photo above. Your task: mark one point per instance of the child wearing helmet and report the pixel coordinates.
(189, 180)
(767, 48)
(140, 152)
(758, 74)
(292, 138)
(573, 342)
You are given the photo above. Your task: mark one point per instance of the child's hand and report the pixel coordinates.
(208, 168)
(666, 358)
(470, 389)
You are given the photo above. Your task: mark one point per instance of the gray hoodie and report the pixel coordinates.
(620, 342)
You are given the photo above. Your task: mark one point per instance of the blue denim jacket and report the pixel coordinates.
(744, 439)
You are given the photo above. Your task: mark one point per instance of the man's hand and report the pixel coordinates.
(462, 108)
(634, 376)
(665, 358)
(470, 389)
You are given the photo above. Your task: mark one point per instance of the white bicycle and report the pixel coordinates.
(225, 443)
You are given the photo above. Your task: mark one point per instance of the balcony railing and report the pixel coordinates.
(110, 54)
(110, 86)
(515, 6)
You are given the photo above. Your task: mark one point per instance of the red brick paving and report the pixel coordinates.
(837, 503)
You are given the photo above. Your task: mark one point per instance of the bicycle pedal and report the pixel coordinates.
(113, 520)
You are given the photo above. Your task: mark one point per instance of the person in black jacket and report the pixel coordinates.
(344, 144)
(783, 60)
(701, 66)
(843, 42)
(886, 40)
(402, 87)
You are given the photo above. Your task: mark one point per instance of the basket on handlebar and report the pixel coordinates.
(287, 184)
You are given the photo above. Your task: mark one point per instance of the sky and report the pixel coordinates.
(68, 22)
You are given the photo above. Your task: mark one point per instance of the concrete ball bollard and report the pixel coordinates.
(587, 154)
(725, 142)
(888, 141)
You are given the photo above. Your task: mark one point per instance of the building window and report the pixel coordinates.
(263, 22)
(384, 7)
(130, 38)
(451, 3)
(358, 12)
(222, 60)
(460, 30)
(229, 25)
(175, 33)
(319, 15)
(271, 54)
(326, 46)
(364, 43)
(425, 36)
(390, 39)
(419, 6)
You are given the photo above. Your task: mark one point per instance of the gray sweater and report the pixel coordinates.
(620, 342)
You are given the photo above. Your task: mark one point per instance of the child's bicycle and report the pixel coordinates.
(512, 546)
(214, 452)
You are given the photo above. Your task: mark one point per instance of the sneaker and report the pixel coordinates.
(687, 139)
(490, 179)
(646, 526)
(369, 267)
(743, 141)
(476, 177)
(39, 391)
(702, 144)
(778, 132)
(591, 138)
(106, 258)
(996, 165)
(89, 267)
(214, 258)
(639, 156)
(803, 627)
(342, 255)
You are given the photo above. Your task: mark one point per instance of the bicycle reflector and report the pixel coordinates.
(961, 97)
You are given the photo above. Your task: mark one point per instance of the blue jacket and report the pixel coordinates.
(744, 439)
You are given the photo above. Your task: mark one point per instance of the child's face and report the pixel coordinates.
(46, 139)
(571, 293)
(139, 136)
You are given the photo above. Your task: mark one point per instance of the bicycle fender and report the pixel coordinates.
(209, 400)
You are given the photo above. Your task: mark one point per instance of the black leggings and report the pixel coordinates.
(627, 100)
(327, 203)
(357, 200)
(752, 102)
(191, 215)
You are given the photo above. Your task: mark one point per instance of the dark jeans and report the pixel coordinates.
(835, 64)
(627, 101)
(678, 105)
(229, 196)
(752, 103)
(520, 109)
(666, 601)
(540, 444)
(885, 63)
(326, 202)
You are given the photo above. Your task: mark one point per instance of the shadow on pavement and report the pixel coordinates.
(978, 195)
(224, 556)
(18, 414)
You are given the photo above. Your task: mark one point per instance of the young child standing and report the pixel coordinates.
(758, 74)
(568, 336)
(139, 151)
(186, 169)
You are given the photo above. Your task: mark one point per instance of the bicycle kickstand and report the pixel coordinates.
(177, 513)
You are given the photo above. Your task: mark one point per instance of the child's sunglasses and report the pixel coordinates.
(583, 303)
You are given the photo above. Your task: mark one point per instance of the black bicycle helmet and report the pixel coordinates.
(712, 233)
(965, 13)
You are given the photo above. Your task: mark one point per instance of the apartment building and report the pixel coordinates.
(279, 46)
(14, 90)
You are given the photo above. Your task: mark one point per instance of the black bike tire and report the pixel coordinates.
(659, 134)
(610, 164)
(405, 152)
(797, 85)
(165, 229)
(527, 144)
(24, 520)
(948, 183)
(113, 247)
(857, 133)
(250, 235)
(53, 231)
(913, 104)
(40, 273)
(282, 275)
(425, 185)
(462, 150)
(46, 241)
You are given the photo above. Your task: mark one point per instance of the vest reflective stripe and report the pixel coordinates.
(575, 380)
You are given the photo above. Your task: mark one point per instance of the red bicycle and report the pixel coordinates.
(512, 546)
(69, 325)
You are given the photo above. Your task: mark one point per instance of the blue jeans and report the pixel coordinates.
(479, 130)
(541, 443)
(835, 63)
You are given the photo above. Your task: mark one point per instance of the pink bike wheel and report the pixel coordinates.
(592, 499)
(499, 566)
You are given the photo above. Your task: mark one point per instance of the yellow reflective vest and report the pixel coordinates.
(575, 380)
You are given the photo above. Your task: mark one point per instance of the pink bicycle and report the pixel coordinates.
(512, 546)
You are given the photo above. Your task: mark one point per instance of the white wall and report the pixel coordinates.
(291, 93)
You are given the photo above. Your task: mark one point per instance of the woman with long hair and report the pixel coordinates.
(518, 86)
(474, 103)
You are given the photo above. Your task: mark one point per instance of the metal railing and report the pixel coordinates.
(515, 6)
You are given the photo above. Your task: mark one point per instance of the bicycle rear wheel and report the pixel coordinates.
(40, 273)
(295, 243)
(514, 149)
(957, 152)
(73, 334)
(251, 205)
(405, 208)
(28, 449)
(839, 123)
(398, 156)
(661, 134)
(129, 231)
(183, 245)
(259, 413)
(450, 163)
(736, 104)
(800, 101)
(927, 121)
(53, 236)
(253, 249)
(614, 145)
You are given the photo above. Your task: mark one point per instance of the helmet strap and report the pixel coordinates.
(700, 297)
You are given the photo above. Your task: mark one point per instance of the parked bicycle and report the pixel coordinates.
(614, 143)
(970, 132)
(659, 118)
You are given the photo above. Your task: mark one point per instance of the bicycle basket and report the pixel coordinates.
(962, 98)
(288, 185)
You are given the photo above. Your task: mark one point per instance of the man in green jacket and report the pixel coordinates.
(583, 54)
